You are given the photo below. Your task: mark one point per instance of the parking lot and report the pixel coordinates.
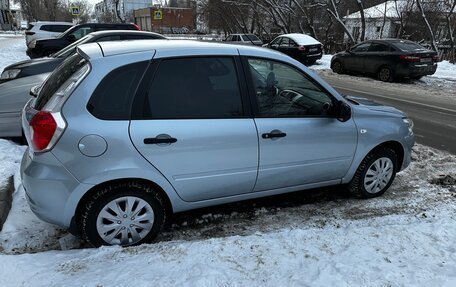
(320, 237)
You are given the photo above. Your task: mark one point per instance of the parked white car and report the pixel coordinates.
(244, 39)
(43, 29)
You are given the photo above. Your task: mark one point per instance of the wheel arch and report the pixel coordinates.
(395, 145)
(74, 225)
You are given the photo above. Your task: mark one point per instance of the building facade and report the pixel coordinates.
(166, 20)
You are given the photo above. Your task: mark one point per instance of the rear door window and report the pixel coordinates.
(46, 28)
(60, 28)
(60, 75)
(113, 97)
(194, 88)
(379, 47)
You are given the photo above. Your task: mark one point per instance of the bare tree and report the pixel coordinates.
(452, 54)
(333, 12)
(363, 20)
(431, 33)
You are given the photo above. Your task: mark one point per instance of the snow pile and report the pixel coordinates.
(317, 238)
(10, 158)
(323, 64)
(12, 50)
(445, 70)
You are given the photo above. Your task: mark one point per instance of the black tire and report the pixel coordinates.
(385, 74)
(357, 185)
(416, 77)
(337, 67)
(93, 206)
(309, 63)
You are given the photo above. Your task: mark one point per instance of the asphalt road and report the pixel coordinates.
(434, 117)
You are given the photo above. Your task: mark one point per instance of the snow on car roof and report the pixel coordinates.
(301, 39)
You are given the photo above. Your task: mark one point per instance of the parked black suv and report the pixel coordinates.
(48, 64)
(46, 47)
(388, 60)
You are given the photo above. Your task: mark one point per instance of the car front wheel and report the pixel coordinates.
(375, 174)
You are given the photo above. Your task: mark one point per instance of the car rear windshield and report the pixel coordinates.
(250, 37)
(70, 49)
(408, 46)
(60, 75)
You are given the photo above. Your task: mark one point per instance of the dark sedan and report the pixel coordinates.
(46, 65)
(388, 60)
(45, 47)
(300, 47)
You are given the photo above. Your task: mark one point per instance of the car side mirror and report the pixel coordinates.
(343, 111)
(34, 91)
(71, 38)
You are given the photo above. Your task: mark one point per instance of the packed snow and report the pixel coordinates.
(317, 238)
(12, 49)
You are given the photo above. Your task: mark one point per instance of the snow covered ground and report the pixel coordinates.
(315, 238)
(12, 49)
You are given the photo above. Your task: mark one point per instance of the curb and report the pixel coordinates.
(6, 199)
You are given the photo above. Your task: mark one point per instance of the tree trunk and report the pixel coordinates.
(452, 54)
(363, 19)
(336, 16)
(423, 15)
(118, 12)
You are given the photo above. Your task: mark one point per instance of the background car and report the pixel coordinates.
(122, 135)
(301, 47)
(13, 96)
(45, 47)
(387, 60)
(45, 29)
(14, 93)
(47, 64)
(244, 39)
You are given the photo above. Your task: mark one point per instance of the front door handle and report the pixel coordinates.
(274, 134)
(160, 139)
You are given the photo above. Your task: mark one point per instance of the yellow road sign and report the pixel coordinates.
(158, 15)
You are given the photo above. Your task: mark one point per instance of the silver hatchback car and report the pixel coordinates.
(122, 135)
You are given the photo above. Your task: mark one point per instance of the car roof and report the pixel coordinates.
(173, 48)
(301, 39)
(51, 23)
(131, 32)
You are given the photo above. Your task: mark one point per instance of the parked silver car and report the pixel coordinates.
(124, 134)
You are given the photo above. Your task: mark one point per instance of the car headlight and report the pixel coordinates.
(409, 123)
(32, 44)
(10, 74)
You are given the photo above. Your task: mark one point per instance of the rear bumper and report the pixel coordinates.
(48, 186)
(416, 70)
(310, 57)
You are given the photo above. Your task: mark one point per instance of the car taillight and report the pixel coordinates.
(409, 58)
(29, 33)
(42, 129)
(436, 58)
(302, 48)
(137, 27)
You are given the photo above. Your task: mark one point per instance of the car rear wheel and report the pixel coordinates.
(122, 214)
(337, 67)
(375, 174)
(385, 74)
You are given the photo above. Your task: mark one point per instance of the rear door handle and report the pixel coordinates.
(274, 134)
(160, 140)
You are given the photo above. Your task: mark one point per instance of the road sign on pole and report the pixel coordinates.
(75, 10)
(158, 15)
